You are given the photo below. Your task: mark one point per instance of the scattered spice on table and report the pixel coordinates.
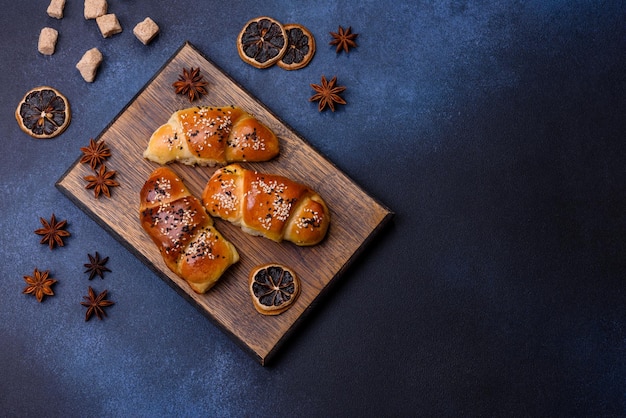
(53, 232)
(101, 182)
(39, 284)
(327, 93)
(343, 39)
(96, 266)
(95, 154)
(95, 304)
(191, 83)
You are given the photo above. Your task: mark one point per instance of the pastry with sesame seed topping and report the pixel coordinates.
(212, 136)
(177, 223)
(268, 205)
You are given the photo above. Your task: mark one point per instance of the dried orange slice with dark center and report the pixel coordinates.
(43, 113)
(300, 47)
(262, 42)
(273, 288)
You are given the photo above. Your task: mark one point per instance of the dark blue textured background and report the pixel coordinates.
(495, 130)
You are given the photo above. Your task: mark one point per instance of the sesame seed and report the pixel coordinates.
(161, 191)
(314, 221)
(202, 246)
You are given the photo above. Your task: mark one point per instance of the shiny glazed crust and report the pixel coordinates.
(184, 234)
(268, 205)
(212, 136)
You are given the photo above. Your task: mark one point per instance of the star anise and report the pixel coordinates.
(39, 284)
(102, 181)
(95, 304)
(52, 232)
(191, 83)
(95, 154)
(343, 39)
(327, 94)
(96, 266)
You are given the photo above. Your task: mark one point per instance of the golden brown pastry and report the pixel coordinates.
(210, 136)
(184, 233)
(268, 205)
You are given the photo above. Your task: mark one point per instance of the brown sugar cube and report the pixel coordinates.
(47, 41)
(95, 8)
(89, 63)
(108, 24)
(146, 30)
(55, 9)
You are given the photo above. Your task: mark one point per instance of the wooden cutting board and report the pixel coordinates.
(356, 216)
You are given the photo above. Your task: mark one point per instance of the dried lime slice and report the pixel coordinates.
(262, 42)
(43, 113)
(300, 47)
(273, 288)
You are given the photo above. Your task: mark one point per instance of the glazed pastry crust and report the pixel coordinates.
(268, 205)
(212, 136)
(183, 232)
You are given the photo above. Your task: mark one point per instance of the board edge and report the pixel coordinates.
(271, 354)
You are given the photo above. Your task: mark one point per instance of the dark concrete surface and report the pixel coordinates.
(496, 132)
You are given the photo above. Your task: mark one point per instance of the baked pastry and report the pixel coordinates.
(273, 288)
(180, 227)
(268, 205)
(210, 136)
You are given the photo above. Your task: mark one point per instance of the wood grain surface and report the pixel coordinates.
(356, 216)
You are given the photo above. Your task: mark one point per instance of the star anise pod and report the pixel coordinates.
(327, 94)
(102, 181)
(52, 232)
(343, 39)
(95, 154)
(96, 266)
(39, 284)
(191, 83)
(95, 304)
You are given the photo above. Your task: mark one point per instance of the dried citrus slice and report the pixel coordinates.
(262, 42)
(300, 47)
(43, 113)
(273, 288)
